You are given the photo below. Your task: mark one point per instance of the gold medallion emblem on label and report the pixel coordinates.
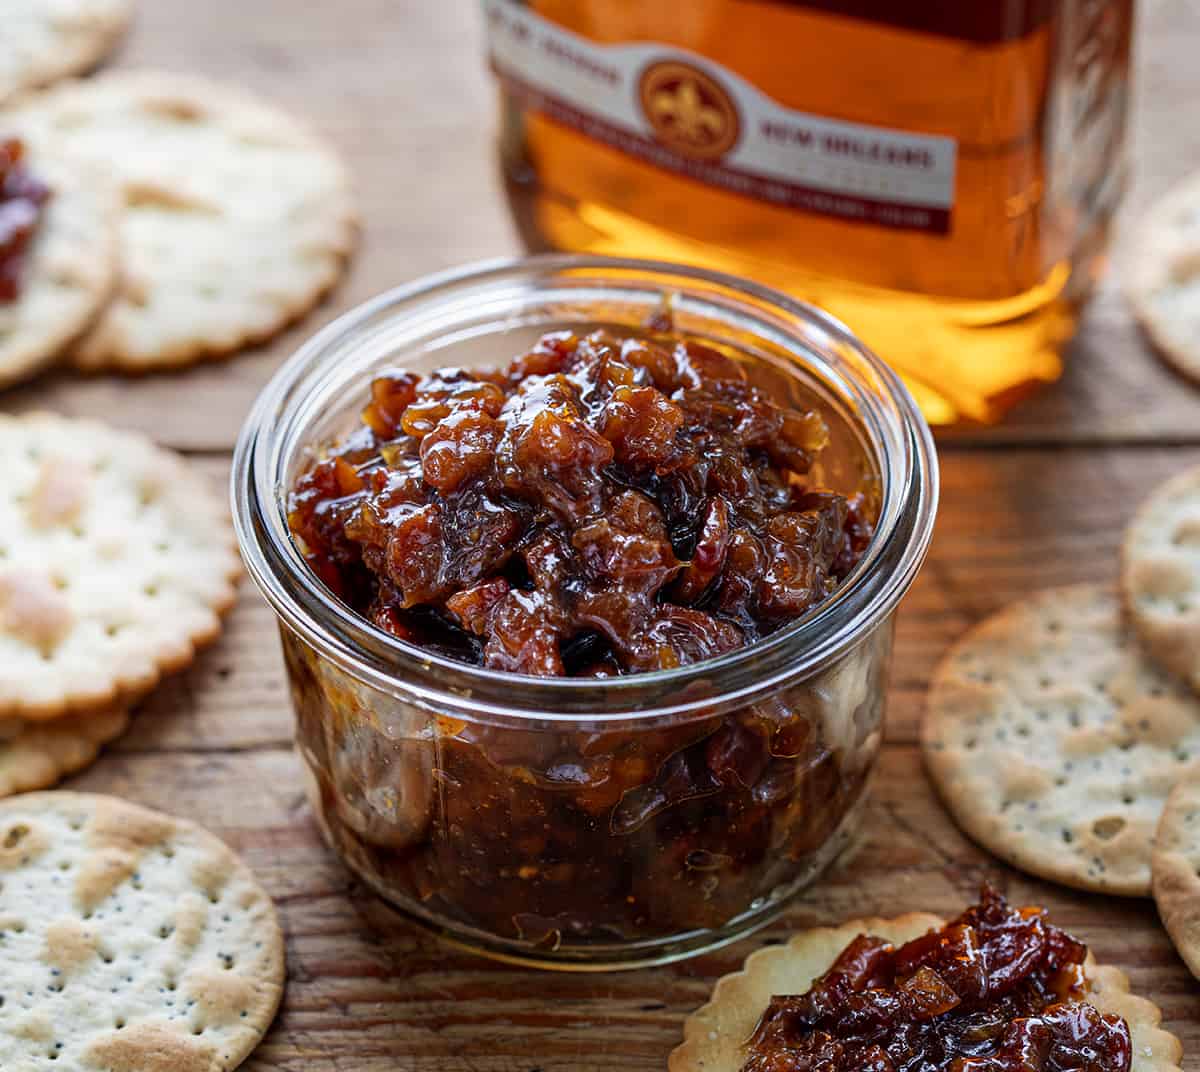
(690, 111)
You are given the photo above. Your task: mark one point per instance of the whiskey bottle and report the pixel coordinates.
(940, 174)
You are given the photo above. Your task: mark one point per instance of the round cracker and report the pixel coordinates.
(1054, 742)
(1164, 277)
(714, 1036)
(47, 40)
(1160, 575)
(35, 755)
(71, 271)
(116, 561)
(1177, 871)
(237, 220)
(129, 940)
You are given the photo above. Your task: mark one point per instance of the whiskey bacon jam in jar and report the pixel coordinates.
(586, 571)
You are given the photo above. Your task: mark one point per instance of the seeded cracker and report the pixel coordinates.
(35, 755)
(129, 941)
(45, 40)
(1054, 742)
(236, 221)
(1177, 871)
(71, 271)
(714, 1035)
(116, 560)
(1164, 277)
(1160, 575)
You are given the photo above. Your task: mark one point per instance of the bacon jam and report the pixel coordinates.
(22, 201)
(997, 990)
(604, 505)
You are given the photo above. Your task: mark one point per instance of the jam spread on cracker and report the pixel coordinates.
(22, 200)
(999, 989)
(604, 505)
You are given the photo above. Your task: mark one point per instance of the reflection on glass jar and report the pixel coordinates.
(578, 835)
(589, 823)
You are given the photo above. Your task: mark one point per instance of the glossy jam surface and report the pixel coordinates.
(22, 198)
(604, 504)
(997, 990)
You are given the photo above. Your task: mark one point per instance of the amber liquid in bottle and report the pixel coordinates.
(1032, 92)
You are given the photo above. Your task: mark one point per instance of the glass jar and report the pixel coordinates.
(578, 823)
(941, 176)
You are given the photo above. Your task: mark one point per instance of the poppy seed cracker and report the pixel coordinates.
(130, 941)
(1054, 741)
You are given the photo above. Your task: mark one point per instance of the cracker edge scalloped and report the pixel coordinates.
(105, 727)
(201, 352)
(1156, 643)
(741, 996)
(1174, 882)
(349, 226)
(1176, 886)
(738, 999)
(168, 658)
(1154, 1048)
(981, 824)
(1153, 249)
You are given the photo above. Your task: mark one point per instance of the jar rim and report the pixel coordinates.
(890, 416)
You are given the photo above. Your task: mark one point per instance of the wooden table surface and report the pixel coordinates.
(400, 86)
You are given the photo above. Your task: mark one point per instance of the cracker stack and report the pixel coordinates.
(116, 562)
(234, 219)
(1063, 733)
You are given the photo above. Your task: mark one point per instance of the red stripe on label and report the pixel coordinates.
(845, 206)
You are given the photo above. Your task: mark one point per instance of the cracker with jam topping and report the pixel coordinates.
(997, 990)
(236, 220)
(58, 254)
(116, 563)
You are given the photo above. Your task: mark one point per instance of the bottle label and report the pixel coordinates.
(689, 115)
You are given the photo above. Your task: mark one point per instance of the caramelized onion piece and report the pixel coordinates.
(997, 990)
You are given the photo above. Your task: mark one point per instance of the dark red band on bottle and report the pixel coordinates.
(978, 21)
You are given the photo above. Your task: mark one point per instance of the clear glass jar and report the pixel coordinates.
(575, 823)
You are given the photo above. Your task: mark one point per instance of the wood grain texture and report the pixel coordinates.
(400, 87)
